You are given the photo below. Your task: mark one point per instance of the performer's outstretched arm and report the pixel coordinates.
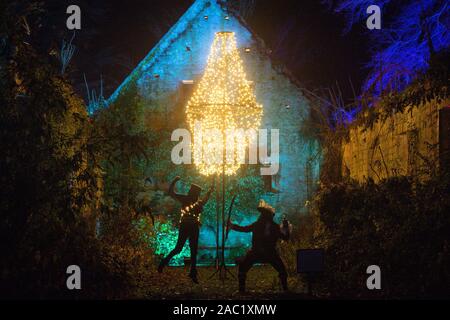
(172, 192)
(207, 195)
(248, 228)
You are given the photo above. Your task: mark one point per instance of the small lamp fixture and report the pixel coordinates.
(227, 18)
(205, 17)
(247, 50)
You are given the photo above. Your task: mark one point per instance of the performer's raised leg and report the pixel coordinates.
(182, 237)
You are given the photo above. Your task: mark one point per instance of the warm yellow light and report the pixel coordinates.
(224, 100)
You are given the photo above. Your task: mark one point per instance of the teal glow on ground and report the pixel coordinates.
(162, 238)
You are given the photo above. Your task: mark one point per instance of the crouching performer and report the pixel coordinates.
(264, 239)
(191, 209)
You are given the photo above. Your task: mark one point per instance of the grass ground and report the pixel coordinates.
(262, 283)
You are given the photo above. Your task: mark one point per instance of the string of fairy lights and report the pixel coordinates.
(223, 102)
(192, 211)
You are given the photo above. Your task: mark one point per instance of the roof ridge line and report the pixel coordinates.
(194, 10)
(279, 67)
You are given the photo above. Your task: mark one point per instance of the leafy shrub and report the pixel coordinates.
(51, 188)
(162, 238)
(401, 225)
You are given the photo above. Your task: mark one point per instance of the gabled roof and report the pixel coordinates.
(190, 17)
(178, 28)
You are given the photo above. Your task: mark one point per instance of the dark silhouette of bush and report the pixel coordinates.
(51, 184)
(401, 225)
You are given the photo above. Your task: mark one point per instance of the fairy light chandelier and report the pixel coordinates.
(223, 102)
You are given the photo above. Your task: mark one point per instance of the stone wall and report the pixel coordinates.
(182, 55)
(406, 143)
(165, 80)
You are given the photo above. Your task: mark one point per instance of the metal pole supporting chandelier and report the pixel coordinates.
(220, 113)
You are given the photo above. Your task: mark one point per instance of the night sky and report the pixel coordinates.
(303, 35)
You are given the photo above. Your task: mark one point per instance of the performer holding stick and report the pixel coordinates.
(191, 209)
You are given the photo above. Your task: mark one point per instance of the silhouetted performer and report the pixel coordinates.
(191, 209)
(264, 239)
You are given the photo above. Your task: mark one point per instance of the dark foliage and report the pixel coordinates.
(401, 225)
(51, 179)
(412, 33)
(46, 185)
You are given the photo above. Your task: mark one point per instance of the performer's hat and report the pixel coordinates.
(264, 207)
(194, 191)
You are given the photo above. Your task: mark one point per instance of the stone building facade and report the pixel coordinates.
(409, 143)
(165, 79)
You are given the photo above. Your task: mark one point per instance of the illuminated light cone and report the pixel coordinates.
(223, 111)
